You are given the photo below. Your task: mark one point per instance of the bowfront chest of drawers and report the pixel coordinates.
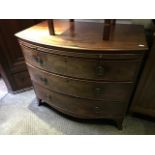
(78, 73)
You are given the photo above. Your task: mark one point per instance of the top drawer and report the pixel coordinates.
(107, 69)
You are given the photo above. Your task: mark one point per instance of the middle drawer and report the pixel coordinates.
(110, 91)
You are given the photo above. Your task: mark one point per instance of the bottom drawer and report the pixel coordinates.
(22, 80)
(81, 108)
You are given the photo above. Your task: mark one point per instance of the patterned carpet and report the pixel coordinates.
(20, 114)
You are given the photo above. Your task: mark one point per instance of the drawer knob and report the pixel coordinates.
(44, 80)
(100, 70)
(98, 109)
(38, 60)
(98, 91)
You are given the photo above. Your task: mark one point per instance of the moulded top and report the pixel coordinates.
(86, 36)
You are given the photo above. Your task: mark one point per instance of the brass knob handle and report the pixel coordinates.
(100, 70)
(98, 91)
(38, 60)
(43, 80)
(98, 109)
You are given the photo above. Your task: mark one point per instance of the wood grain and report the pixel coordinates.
(78, 73)
(110, 69)
(81, 108)
(109, 91)
(124, 37)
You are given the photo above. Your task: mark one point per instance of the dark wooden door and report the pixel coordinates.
(13, 68)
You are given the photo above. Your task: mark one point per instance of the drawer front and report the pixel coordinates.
(110, 91)
(95, 69)
(82, 108)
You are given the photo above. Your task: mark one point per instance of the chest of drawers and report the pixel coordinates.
(81, 75)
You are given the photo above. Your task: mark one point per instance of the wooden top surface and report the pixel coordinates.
(86, 36)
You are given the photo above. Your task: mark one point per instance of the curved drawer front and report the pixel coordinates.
(80, 88)
(95, 69)
(82, 108)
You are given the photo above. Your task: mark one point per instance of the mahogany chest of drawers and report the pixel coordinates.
(81, 75)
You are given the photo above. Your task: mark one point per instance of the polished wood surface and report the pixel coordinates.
(81, 108)
(124, 37)
(144, 98)
(111, 68)
(110, 91)
(108, 25)
(78, 73)
(51, 27)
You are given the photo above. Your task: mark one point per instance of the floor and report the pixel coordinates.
(3, 89)
(20, 114)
